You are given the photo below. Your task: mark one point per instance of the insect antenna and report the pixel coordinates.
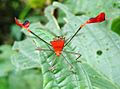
(39, 37)
(25, 25)
(99, 18)
(73, 35)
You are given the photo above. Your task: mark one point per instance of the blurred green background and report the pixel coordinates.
(9, 32)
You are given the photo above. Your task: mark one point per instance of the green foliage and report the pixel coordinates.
(5, 52)
(19, 80)
(28, 79)
(31, 79)
(15, 32)
(5, 63)
(93, 7)
(3, 83)
(99, 47)
(116, 25)
(36, 3)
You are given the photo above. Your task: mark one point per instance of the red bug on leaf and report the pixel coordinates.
(59, 43)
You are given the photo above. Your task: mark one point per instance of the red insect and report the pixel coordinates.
(59, 43)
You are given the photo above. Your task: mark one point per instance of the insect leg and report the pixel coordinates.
(53, 63)
(67, 61)
(78, 54)
(42, 49)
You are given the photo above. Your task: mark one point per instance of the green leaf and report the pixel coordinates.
(93, 7)
(5, 52)
(27, 57)
(3, 83)
(31, 79)
(5, 63)
(35, 3)
(15, 32)
(98, 67)
(116, 25)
